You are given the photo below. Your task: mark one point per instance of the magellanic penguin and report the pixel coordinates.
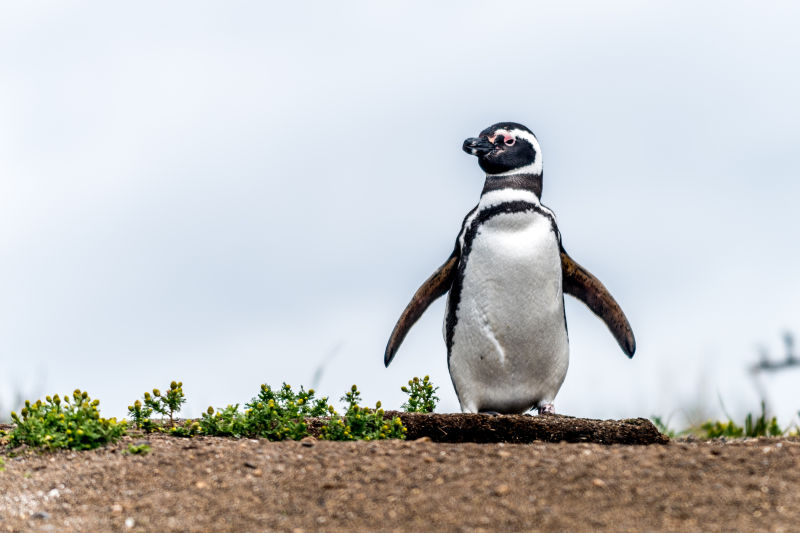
(505, 327)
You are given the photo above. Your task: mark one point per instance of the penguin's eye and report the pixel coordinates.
(509, 141)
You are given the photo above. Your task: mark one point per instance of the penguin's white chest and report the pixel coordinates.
(509, 348)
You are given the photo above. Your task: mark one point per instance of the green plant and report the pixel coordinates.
(361, 423)
(140, 415)
(762, 427)
(421, 395)
(167, 405)
(722, 429)
(663, 427)
(137, 449)
(170, 403)
(190, 428)
(2, 464)
(273, 414)
(227, 422)
(759, 427)
(57, 423)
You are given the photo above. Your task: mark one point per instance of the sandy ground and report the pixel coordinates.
(214, 484)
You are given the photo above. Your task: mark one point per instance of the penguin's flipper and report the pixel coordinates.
(581, 284)
(434, 287)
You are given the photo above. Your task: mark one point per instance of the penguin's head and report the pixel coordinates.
(505, 149)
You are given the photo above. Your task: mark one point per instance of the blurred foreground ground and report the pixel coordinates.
(213, 484)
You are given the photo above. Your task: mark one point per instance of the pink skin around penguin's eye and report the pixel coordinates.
(509, 141)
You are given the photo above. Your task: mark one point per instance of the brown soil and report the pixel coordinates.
(214, 484)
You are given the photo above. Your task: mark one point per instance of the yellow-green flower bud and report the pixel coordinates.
(173, 385)
(156, 393)
(210, 410)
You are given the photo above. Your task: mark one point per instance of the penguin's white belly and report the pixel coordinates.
(509, 348)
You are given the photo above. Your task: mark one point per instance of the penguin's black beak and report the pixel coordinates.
(478, 146)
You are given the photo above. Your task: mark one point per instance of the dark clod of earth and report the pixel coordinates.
(522, 429)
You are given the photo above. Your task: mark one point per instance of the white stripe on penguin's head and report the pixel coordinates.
(533, 168)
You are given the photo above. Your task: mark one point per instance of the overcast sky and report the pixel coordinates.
(237, 193)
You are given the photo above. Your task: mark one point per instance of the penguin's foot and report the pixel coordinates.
(490, 413)
(546, 409)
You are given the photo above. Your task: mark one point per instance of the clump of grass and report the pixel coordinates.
(421, 395)
(361, 423)
(758, 427)
(663, 427)
(168, 405)
(273, 414)
(64, 423)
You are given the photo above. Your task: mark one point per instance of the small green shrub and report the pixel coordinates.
(57, 423)
(361, 423)
(137, 449)
(421, 395)
(167, 405)
(273, 414)
(227, 422)
(140, 416)
(2, 464)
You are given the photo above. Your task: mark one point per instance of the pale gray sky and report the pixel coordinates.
(227, 194)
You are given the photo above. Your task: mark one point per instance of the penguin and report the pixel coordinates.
(505, 327)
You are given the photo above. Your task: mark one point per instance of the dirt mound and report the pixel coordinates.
(525, 429)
